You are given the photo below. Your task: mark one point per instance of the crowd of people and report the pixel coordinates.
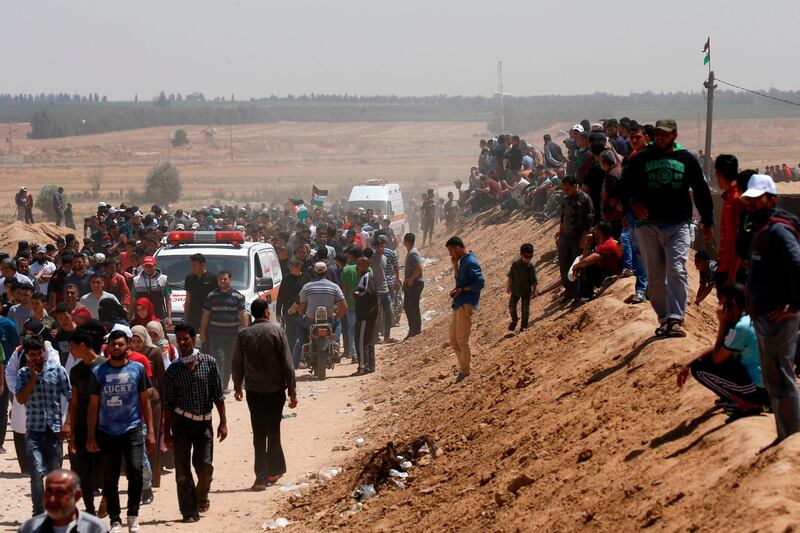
(84, 319)
(87, 359)
(625, 195)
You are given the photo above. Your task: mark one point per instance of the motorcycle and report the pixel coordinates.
(321, 352)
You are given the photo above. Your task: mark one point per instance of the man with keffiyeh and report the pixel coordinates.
(192, 387)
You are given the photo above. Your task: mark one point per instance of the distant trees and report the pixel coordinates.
(163, 184)
(95, 180)
(180, 138)
(44, 200)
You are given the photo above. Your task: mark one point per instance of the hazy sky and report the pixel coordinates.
(404, 47)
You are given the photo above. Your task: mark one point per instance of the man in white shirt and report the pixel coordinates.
(42, 269)
(92, 300)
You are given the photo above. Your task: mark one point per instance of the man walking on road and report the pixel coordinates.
(192, 387)
(262, 365)
(412, 286)
(659, 183)
(366, 312)
(773, 298)
(41, 387)
(119, 405)
(223, 315)
(466, 295)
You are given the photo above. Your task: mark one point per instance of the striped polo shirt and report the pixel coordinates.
(224, 309)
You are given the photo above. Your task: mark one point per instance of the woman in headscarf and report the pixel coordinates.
(140, 342)
(143, 313)
(159, 339)
(111, 312)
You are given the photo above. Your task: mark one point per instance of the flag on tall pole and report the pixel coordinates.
(318, 196)
(707, 52)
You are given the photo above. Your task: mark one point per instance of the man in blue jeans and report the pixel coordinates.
(40, 388)
(380, 267)
(119, 407)
(773, 298)
(659, 184)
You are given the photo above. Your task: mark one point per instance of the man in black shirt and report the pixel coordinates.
(192, 387)
(366, 297)
(659, 184)
(66, 327)
(84, 346)
(197, 285)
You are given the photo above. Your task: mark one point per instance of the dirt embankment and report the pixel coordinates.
(576, 424)
(42, 233)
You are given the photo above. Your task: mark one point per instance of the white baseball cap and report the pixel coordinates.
(577, 127)
(758, 185)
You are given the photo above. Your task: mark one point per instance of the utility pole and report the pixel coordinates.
(10, 140)
(500, 94)
(709, 85)
(231, 131)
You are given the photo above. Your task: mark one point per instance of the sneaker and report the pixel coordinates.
(390, 340)
(512, 326)
(133, 524)
(638, 298)
(116, 527)
(626, 273)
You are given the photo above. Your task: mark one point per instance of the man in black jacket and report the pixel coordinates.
(659, 183)
(366, 315)
(262, 364)
(287, 297)
(577, 214)
(773, 298)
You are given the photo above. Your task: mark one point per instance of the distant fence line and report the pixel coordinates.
(12, 159)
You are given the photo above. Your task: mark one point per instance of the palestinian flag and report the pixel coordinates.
(318, 196)
(299, 209)
(707, 52)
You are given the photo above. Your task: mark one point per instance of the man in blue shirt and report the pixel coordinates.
(9, 340)
(40, 388)
(466, 295)
(119, 404)
(732, 368)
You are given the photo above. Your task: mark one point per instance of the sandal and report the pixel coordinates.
(661, 331)
(675, 330)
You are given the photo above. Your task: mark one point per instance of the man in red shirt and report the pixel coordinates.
(115, 283)
(603, 262)
(729, 267)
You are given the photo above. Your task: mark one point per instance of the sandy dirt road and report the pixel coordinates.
(323, 420)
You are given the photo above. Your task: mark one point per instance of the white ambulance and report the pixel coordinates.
(379, 195)
(255, 269)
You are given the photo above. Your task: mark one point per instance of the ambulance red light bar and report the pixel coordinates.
(176, 238)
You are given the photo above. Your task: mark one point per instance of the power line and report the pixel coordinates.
(760, 93)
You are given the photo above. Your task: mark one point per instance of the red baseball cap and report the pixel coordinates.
(149, 260)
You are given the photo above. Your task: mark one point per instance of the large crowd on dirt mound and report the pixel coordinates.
(95, 356)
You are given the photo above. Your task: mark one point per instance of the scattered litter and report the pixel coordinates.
(340, 448)
(360, 442)
(364, 493)
(318, 391)
(400, 458)
(278, 523)
(405, 465)
(430, 314)
(356, 508)
(387, 464)
(294, 487)
(399, 484)
(344, 410)
(424, 449)
(327, 474)
(397, 473)
(428, 261)
(290, 415)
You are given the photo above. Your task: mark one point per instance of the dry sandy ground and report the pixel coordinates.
(272, 161)
(575, 425)
(308, 438)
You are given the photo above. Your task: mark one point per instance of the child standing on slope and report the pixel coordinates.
(521, 285)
